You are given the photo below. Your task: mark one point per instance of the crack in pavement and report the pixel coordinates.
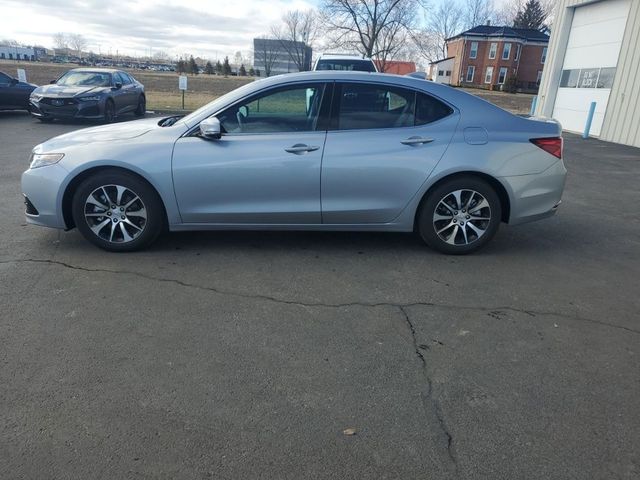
(258, 296)
(429, 402)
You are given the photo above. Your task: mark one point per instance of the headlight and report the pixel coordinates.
(93, 98)
(36, 96)
(43, 159)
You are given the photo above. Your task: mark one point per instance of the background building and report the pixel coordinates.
(486, 56)
(594, 56)
(396, 67)
(8, 52)
(440, 70)
(274, 57)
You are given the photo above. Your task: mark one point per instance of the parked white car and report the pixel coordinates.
(344, 62)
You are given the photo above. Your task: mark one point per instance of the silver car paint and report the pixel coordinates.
(267, 188)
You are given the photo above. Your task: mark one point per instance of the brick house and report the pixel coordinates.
(485, 56)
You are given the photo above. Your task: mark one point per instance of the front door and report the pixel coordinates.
(265, 169)
(383, 143)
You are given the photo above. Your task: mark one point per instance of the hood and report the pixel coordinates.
(104, 133)
(54, 90)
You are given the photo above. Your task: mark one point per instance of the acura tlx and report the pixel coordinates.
(325, 150)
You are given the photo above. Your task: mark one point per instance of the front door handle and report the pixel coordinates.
(301, 148)
(416, 141)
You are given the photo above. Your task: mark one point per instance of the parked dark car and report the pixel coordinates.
(89, 93)
(14, 94)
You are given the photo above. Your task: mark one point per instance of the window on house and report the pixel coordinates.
(440, 73)
(471, 70)
(517, 56)
(474, 50)
(539, 77)
(502, 76)
(447, 73)
(493, 50)
(544, 55)
(569, 78)
(506, 51)
(488, 76)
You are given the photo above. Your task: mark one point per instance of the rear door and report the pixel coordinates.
(383, 143)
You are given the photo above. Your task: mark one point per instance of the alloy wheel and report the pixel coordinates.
(461, 217)
(115, 213)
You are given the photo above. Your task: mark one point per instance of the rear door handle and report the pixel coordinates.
(416, 141)
(301, 148)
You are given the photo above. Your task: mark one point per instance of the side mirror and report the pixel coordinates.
(118, 86)
(210, 128)
(52, 82)
(13, 81)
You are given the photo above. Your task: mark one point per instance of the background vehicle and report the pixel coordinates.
(306, 151)
(14, 95)
(343, 62)
(90, 93)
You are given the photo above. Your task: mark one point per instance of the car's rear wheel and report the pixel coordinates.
(118, 211)
(142, 106)
(460, 215)
(109, 111)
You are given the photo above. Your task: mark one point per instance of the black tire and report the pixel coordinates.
(141, 109)
(455, 231)
(143, 231)
(109, 111)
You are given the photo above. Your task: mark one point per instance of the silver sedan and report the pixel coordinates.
(307, 151)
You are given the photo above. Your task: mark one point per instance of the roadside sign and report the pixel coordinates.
(22, 75)
(182, 82)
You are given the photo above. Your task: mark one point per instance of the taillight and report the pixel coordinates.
(552, 145)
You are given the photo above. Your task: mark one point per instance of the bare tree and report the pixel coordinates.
(78, 43)
(266, 53)
(442, 23)
(298, 31)
(60, 40)
(374, 28)
(477, 12)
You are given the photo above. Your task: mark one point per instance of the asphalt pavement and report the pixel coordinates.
(286, 355)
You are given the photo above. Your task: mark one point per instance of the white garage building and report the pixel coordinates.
(594, 56)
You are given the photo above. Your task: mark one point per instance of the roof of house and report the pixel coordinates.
(508, 32)
(441, 60)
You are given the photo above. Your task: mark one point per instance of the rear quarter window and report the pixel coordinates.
(430, 109)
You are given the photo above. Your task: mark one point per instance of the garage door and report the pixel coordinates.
(590, 63)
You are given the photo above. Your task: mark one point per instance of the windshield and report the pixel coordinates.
(85, 79)
(355, 65)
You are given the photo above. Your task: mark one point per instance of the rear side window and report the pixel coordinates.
(348, 65)
(367, 106)
(428, 109)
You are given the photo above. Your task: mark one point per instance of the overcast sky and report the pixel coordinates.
(207, 28)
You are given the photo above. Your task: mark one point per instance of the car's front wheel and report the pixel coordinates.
(117, 211)
(109, 111)
(460, 215)
(141, 109)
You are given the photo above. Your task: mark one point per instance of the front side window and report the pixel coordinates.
(294, 108)
(4, 79)
(470, 72)
(502, 76)
(493, 50)
(506, 51)
(544, 55)
(488, 76)
(474, 50)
